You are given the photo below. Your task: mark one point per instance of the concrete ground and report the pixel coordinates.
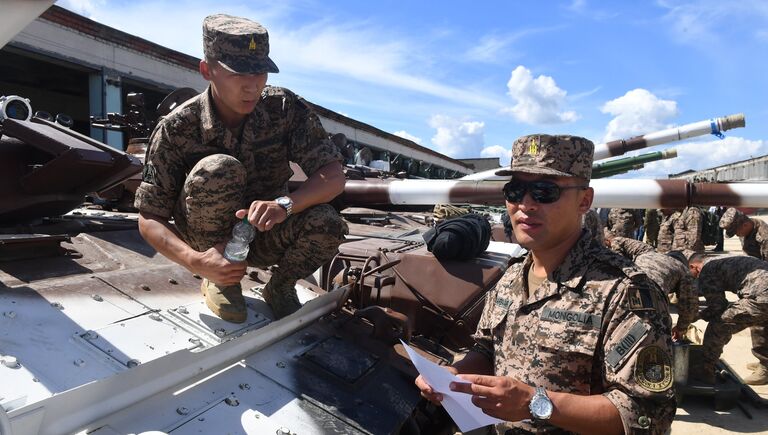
(697, 415)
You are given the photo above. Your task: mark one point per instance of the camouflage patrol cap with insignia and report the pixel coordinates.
(238, 44)
(562, 155)
(731, 221)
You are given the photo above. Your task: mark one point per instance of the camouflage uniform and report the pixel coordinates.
(199, 172)
(652, 221)
(756, 242)
(599, 326)
(630, 248)
(748, 278)
(622, 222)
(688, 230)
(593, 224)
(667, 232)
(671, 275)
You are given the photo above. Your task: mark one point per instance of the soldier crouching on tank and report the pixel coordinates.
(224, 155)
(748, 278)
(574, 338)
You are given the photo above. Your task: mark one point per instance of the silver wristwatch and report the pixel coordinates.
(540, 406)
(286, 203)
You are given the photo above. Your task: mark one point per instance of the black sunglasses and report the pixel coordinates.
(544, 192)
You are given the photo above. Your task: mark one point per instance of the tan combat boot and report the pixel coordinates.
(753, 365)
(226, 302)
(281, 297)
(758, 377)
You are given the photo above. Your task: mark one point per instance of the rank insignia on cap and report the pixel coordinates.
(653, 369)
(252, 45)
(533, 149)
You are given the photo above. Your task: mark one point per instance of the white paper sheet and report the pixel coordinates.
(464, 413)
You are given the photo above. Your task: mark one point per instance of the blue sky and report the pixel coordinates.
(467, 78)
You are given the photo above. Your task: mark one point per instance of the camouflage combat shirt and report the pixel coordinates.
(687, 232)
(280, 129)
(666, 234)
(756, 242)
(597, 326)
(630, 248)
(622, 222)
(672, 276)
(740, 274)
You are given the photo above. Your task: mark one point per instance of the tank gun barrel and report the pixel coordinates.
(614, 167)
(616, 171)
(635, 193)
(711, 126)
(622, 146)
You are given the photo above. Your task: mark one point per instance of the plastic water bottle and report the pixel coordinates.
(242, 235)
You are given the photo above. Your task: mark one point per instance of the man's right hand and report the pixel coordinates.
(212, 265)
(427, 392)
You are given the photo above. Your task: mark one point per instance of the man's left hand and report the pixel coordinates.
(263, 215)
(498, 396)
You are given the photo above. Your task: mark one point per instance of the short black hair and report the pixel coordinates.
(696, 258)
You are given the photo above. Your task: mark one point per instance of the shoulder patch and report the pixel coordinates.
(653, 369)
(635, 335)
(640, 299)
(149, 173)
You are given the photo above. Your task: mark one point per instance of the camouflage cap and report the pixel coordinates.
(239, 44)
(566, 156)
(731, 221)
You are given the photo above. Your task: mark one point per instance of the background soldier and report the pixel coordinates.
(224, 155)
(652, 222)
(573, 324)
(748, 278)
(754, 241)
(687, 232)
(752, 232)
(667, 229)
(622, 222)
(669, 272)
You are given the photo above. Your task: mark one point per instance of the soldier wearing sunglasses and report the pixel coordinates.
(573, 338)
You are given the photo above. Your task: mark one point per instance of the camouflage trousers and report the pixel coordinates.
(739, 315)
(205, 215)
(664, 240)
(651, 235)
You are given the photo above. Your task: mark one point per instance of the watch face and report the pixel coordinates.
(541, 408)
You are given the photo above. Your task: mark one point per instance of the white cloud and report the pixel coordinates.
(82, 7)
(321, 49)
(539, 100)
(503, 153)
(405, 135)
(489, 48)
(637, 112)
(456, 137)
(704, 154)
(699, 23)
(366, 54)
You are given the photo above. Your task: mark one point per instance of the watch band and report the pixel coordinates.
(286, 203)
